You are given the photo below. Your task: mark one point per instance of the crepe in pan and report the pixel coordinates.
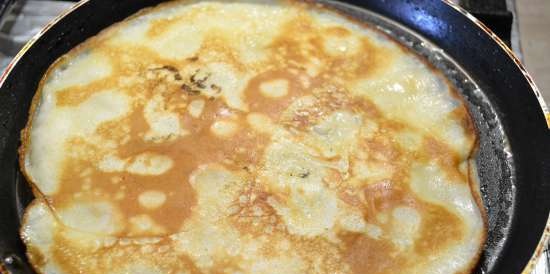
(249, 137)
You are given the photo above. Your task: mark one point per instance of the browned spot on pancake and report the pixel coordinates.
(337, 31)
(382, 149)
(298, 49)
(366, 254)
(131, 69)
(293, 46)
(160, 26)
(38, 259)
(64, 252)
(384, 196)
(73, 96)
(351, 197)
(225, 267)
(439, 229)
(327, 99)
(446, 158)
(216, 46)
(368, 108)
(372, 58)
(461, 114)
(272, 106)
(103, 259)
(252, 214)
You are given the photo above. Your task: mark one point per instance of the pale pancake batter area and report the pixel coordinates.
(249, 137)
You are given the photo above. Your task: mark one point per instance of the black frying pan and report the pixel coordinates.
(514, 153)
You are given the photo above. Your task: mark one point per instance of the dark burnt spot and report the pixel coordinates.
(193, 59)
(197, 81)
(167, 68)
(216, 88)
(170, 68)
(190, 90)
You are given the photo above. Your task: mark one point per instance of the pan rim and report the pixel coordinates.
(5, 74)
(534, 88)
(545, 237)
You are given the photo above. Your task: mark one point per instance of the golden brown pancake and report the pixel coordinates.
(249, 137)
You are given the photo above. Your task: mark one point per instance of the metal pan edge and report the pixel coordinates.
(545, 238)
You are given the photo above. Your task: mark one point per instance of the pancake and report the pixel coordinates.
(249, 137)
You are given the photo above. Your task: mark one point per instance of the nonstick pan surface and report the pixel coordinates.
(514, 140)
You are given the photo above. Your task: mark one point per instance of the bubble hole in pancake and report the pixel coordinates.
(249, 137)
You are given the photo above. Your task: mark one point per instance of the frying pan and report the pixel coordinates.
(508, 110)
